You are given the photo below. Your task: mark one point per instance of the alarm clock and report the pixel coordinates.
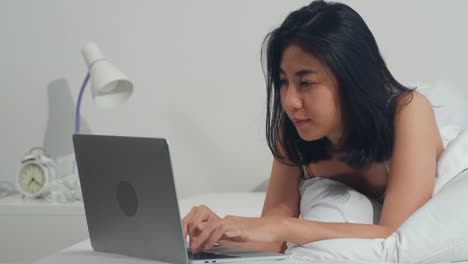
(36, 173)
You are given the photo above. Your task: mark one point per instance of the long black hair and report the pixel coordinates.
(339, 38)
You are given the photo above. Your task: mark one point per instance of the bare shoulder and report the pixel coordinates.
(417, 146)
(414, 101)
(415, 108)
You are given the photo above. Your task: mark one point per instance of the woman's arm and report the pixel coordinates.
(282, 199)
(300, 231)
(410, 183)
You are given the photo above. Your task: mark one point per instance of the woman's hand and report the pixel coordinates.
(238, 229)
(196, 219)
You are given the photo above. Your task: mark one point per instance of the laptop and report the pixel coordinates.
(131, 204)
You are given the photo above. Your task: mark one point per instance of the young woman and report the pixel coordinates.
(334, 110)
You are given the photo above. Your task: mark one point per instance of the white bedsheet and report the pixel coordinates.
(82, 253)
(245, 204)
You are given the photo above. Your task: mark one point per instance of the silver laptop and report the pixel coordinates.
(131, 203)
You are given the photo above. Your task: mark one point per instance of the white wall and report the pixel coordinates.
(196, 68)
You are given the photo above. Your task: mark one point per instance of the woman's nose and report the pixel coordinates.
(292, 99)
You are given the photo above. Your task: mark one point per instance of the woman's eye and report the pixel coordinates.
(307, 83)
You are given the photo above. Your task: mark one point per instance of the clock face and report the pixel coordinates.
(31, 178)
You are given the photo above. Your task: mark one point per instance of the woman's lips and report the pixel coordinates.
(300, 122)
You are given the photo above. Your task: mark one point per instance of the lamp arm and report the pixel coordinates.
(78, 104)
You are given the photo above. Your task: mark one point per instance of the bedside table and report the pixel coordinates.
(31, 229)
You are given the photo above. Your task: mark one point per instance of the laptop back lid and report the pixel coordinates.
(129, 196)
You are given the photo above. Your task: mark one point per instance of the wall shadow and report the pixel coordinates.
(61, 120)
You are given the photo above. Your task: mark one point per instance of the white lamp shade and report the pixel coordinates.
(109, 85)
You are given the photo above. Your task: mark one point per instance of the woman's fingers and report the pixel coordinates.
(198, 216)
(193, 222)
(220, 232)
(200, 227)
(196, 244)
(202, 214)
(187, 219)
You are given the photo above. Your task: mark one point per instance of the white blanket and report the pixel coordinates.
(454, 159)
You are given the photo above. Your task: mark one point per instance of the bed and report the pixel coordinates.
(250, 204)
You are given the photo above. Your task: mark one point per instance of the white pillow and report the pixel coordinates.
(437, 232)
(434, 233)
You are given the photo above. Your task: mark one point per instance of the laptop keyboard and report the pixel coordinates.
(207, 255)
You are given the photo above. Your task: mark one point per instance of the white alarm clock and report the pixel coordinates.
(36, 173)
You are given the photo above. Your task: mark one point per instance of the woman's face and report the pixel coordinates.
(309, 95)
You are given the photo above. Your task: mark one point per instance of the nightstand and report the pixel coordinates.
(31, 229)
